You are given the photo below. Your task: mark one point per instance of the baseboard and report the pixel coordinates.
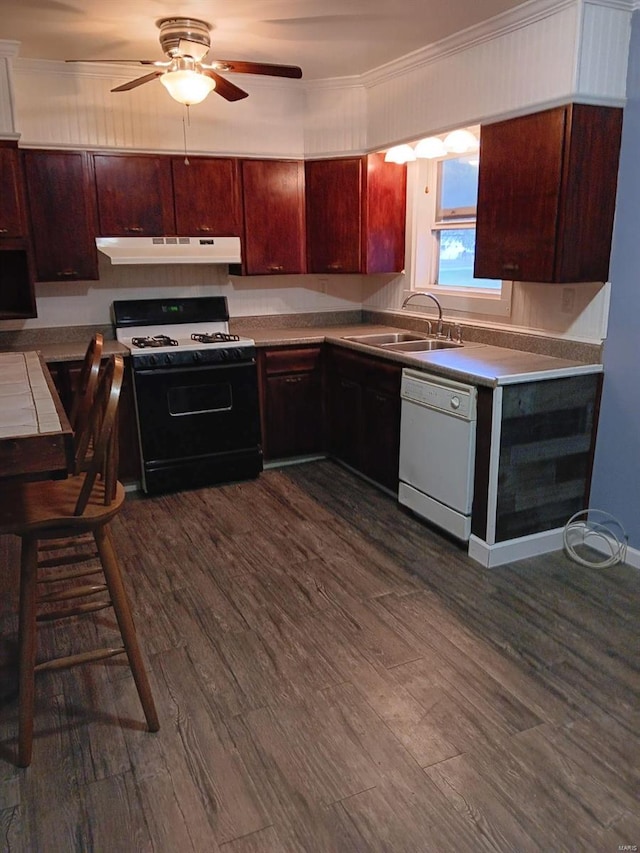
(293, 460)
(500, 553)
(491, 556)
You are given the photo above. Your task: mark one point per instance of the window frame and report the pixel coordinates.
(423, 228)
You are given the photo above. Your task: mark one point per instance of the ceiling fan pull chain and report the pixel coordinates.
(184, 134)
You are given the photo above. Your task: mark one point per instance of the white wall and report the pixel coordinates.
(86, 303)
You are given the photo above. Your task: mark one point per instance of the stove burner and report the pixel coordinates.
(155, 341)
(214, 337)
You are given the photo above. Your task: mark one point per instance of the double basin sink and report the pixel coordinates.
(403, 342)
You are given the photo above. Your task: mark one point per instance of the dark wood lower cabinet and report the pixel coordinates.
(291, 394)
(65, 375)
(363, 414)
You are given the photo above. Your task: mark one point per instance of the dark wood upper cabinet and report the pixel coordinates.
(333, 193)
(384, 214)
(274, 231)
(356, 212)
(546, 195)
(134, 195)
(207, 198)
(12, 219)
(62, 214)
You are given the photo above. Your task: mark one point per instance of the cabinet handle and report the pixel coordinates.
(4, 230)
(204, 228)
(336, 266)
(135, 228)
(292, 380)
(275, 267)
(511, 267)
(66, 273)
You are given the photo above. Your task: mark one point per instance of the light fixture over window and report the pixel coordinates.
(400, 154)
(461, 141)
(186, 83)
(430, 148)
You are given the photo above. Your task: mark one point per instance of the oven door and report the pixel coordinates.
(198, 424)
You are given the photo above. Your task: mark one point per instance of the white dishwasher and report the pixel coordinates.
(437, 450)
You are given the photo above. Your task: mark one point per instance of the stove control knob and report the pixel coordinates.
(168, 358)
(152, 359)
(197, 356)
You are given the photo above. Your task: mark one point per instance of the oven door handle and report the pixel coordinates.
(192, 369)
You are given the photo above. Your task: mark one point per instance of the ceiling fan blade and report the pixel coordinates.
(240, 67)
(133, 84)
(158, 63)
(229, 91)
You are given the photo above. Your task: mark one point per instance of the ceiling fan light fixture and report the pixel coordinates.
(187, 86)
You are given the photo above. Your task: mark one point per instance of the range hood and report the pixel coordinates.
(170, 250)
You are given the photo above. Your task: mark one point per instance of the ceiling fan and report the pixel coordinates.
(185, 75)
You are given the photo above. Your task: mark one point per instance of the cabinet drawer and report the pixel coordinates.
(292, 360)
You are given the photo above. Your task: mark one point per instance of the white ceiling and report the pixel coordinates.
(326, 38)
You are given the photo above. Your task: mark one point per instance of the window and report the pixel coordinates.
(442, 199)
(454, 227)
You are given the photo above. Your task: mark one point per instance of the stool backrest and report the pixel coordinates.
(97, 452)
(87, 384)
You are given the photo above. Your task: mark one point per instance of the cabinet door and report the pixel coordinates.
(135, 195)
(273, 200)
(62, 212)
(344, 414)
(294, 415)
(333, 199)
(384, 216)
(546, 195)
(518, 197)
(291, 401)
(12, 221)
(207, 196)
(381, 425)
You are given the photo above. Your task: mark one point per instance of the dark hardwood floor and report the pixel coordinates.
(332, 675)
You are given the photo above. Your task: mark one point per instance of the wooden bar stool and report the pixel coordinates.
(62, 512)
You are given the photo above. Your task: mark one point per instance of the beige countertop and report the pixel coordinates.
(477, 363)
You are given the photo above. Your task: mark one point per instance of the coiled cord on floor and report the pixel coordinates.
(599, 531)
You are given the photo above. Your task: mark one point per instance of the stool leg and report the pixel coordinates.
(122, 610)
(27, 647)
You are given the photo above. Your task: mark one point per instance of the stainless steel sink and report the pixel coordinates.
(421, 346)
(382, 339)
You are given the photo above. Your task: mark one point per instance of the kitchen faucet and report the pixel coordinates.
(439, 331)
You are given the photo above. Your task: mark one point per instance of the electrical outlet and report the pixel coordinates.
(568, 299)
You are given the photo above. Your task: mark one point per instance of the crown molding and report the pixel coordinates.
(514, 19)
